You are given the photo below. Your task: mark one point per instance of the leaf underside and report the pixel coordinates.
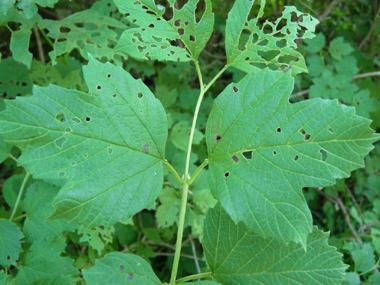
(238, 256)
(271, 45)
(263, 150)
(153, 37)
(105, 146)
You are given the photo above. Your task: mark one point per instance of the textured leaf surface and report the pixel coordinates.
(43, 262)
(121, 268)
(88, 32)
(107, 145)
(9, 243)
(237, 255)
(152, 38)
(271, 45)
(4, 149)
(263, 150)
(38, 207)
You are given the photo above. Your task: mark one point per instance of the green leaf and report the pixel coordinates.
(316, 44)
(152, 37)
(236, 253)
(6, 279)
(338, 48)
(364, 104)
(30, 6)
(5, 5)
(88, 32)
(97, 237)
(38, 206)
(20, 46)
(121, 268)
(5, 149)
(14, 79)
(43, 262)
(9, 243)
(168, 212)
(180, 134)
(106, 146)
(363, 257)
(374, 279)
(271, 45)
(352, 278)
(204, 283)
(264, 150)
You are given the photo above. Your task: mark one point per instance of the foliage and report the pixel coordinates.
(109, 179)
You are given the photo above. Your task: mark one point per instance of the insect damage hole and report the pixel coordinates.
(324, 154)
(61, 174)
(76, 120)
(88, 119)
(278, 130)
(235, 89)
(226, 174)
(98, 87)
(114, 96)
(296, 158)
(109, 75)
(109, 150)
(302, 131)
(247, 154)
(307, 137)
(140, 95)
(218, 138)
(330, 130)
(121, 267)
(60, 117)
(60, 142)
(274, 152)
(235, 158)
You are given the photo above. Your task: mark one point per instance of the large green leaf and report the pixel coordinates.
(107, 146)
(121, 268)
(38, 207)
(263, 150)
(271, 45)
(5, 5)
(237, 255)
(88, 32)
(9, 243)
(5, 149)
(43, 262)
(152, 38)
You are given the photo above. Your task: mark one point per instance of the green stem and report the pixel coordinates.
(199, 169)
(12, 157)
(49, 41)
(186, 179)
(171, 168)
(20, 194)
(195, 276)
(19, 217)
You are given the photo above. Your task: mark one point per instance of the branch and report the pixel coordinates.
(39, 43)
(328, 10)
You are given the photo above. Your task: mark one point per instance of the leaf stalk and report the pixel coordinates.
(22, 188)
(195, 276)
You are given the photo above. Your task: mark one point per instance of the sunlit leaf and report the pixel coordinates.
(263, 150)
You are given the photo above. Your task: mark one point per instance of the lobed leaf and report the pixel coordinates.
(30, 6)
(153, 37)
(88, 32)
(9, 243)
(271, 45)
(237, 255)
(5, 149)
(106, 146)
(121, 268)
(263, 150)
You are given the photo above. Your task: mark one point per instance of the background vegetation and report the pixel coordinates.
(343, 62)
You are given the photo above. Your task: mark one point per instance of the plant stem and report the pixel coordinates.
(199, 169)
(192, 277)
(171, 168)
(186, 177)
(49, 41)
(19, 217)
(20, 194)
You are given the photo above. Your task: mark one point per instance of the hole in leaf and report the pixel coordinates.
(88, 119)
(307, 137)
(226, 174)
(192, 38)
(85, 155)
(278, 130)
(141, 48)
(157, 39)
(287, 59)
(140, 95)
(146, 148)
(330, 130)
(186, 23)
(235, 89)
(60, 117)
(98, 87)
(281, 24)
(324, 154)
(218, 138)
(247, 154)
(281, 43)
(130, 276)
(76, 120)
(263, 43)
(109, 75)
(296, 158)
(122, 267)
(235, 158)
(181, 31)
(147, 55)
(243, 39)
(267, 29)
(274, 152)
(153, 45)
(60, 142)
(140, 112)
(109, 150)
(164, 47)
(68, 130)
(114, 96)
(302, 131)
(61, 174)
(268, 55)
(172, 52)
(177, 23)
(73, 163)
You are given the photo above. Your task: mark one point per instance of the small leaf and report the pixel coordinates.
(121, 268)
(180, 134)
(168, 211)
(236, 253)
(281, 148)
(20, 46)
(97, 237)
(338, 48)
(9, 243)
(153, 37)
(271, 45)
(43, 261)
(106, 147)
(315, 44)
